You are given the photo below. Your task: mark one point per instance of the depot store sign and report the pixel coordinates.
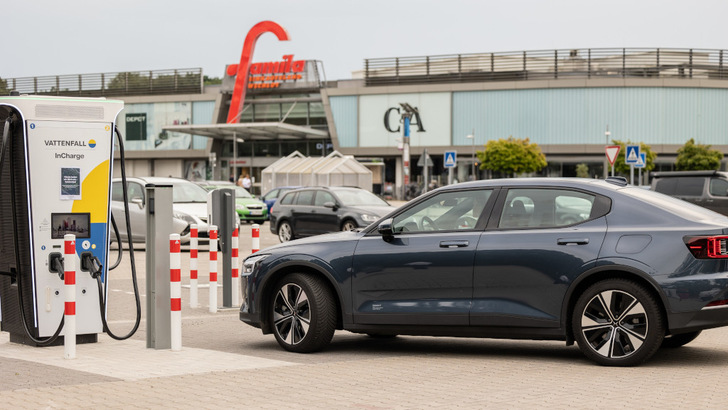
(272, 74)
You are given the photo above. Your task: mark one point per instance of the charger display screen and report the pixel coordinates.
(78, 224)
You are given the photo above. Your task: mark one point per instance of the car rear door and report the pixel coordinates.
(423, 273)
(531, 252)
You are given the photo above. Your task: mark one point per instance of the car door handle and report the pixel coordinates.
(454, 244)
(572, 241)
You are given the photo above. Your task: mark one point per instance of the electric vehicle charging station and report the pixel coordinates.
(55, 179)
(221, 212)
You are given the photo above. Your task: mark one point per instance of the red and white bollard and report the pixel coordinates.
(256, 238)
(213, 269)
(69, 287)
(235, 270)
(193, 266)
(175, 292)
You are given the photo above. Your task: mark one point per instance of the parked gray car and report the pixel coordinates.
(708, 189)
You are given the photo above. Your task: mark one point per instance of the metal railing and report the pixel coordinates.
(179, 81)
(548, 65)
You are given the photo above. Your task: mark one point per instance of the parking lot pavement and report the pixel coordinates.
(225, 364)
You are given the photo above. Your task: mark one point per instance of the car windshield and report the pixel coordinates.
(240, 192)
(358, 197)
(188, 192)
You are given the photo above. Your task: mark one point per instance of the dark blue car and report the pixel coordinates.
(270, 197)
(620, 270)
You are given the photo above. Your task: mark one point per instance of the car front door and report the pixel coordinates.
(302, 213)
(137, 214)
(324, 219)
(531, 253)
(421, 274)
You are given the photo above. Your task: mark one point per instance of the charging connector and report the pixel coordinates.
(55, 264)
(91, 264)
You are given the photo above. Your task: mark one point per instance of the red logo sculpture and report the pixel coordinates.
(241, 70)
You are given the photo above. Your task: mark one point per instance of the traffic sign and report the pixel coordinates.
(632, 155)
(642, 162)
(612, 152)
(451, 158)
(425, 159)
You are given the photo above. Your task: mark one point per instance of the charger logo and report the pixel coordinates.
(92, 143)
(67, 143)
(68, 155)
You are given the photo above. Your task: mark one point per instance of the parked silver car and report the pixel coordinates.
(189, 206)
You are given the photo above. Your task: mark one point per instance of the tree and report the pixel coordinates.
(697, 157)
(4, 87)
(623, 168)
(582, 170)
(512, 156)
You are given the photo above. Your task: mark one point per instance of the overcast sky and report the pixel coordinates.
(51, 37)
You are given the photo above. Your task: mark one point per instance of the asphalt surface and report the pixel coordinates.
(227, 364)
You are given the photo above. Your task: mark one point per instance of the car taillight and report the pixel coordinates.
(708, 247)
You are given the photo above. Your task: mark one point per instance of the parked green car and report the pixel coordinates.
(249, 209)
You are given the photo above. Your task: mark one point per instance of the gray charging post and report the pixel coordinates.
(159, 227)
(221, 206)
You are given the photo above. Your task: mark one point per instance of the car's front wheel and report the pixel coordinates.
(617, 322)
(348, 226)
(303, 313)
(285, 232)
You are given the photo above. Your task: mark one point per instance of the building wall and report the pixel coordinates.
(564, 117)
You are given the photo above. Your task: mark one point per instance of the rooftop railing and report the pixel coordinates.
(548, 65)
(179, 81)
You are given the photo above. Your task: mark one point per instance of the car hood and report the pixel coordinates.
(248, 201)
(198, 209)
(334, 239)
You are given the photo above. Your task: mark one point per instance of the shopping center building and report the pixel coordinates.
(571, 103)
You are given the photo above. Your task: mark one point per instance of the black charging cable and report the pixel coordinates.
(40, 342)
(102, 301)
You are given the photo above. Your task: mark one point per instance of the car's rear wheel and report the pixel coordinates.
(348, 226)
(617, 322)
(285, 232)
(680, 340)
(303, 313)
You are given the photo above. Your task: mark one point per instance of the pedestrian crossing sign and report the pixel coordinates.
(632, 155)
(450, 159)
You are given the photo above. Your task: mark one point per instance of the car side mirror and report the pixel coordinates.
(138, 201)
(385, 229)
(331, 205)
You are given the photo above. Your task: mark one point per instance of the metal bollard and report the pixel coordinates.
(256, 238)
(69, 287)
(175, 292)
(193, 266)
(235, 270)
(213, 269)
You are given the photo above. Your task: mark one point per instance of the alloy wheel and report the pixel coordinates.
(291, 314)
(614, 324)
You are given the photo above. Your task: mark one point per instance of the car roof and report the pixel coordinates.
(156, 180)
(668, 174)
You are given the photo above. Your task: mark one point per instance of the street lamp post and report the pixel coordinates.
(472, 138)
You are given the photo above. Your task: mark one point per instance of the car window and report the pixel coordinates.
(358, 197)
(305, 198)
(322, 197)
(545, 208)
(186, 192)
(690, 186)
(116, 192)
(667, 186)
(718, 187)
(271, 195)
(289, 198)
(459, 210)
